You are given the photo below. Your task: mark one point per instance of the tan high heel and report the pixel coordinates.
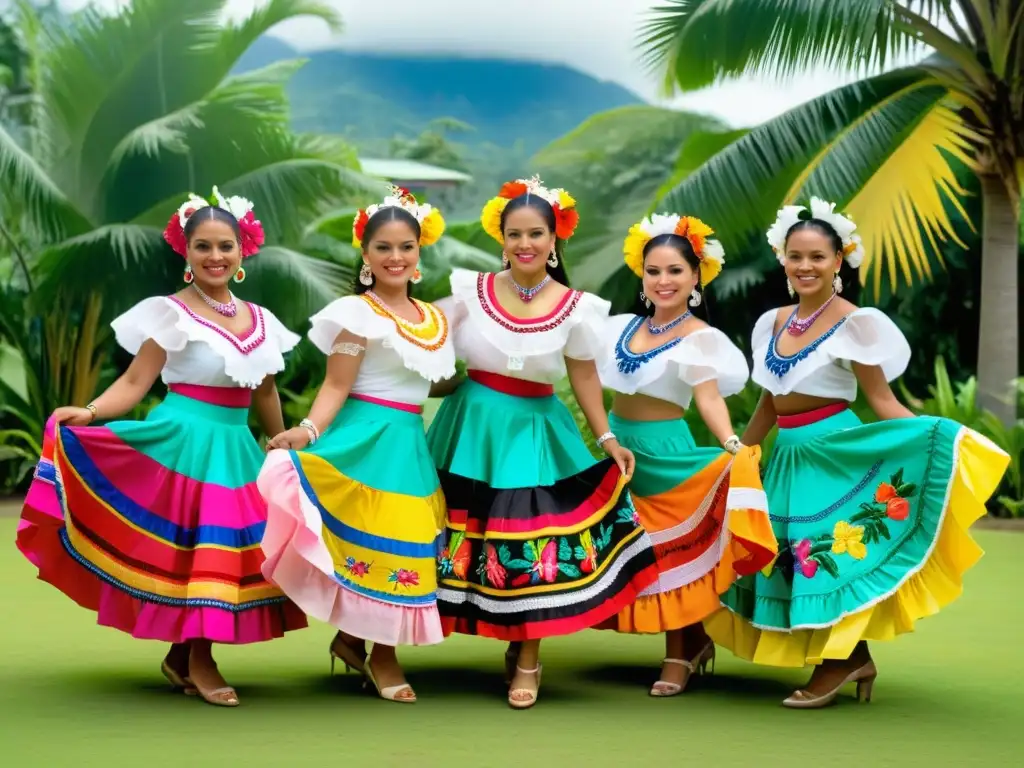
(347, 655)
(391, 692)
(864, 677)
(177, 681)
(526, 703)
(699, 663)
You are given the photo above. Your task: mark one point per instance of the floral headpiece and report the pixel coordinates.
(249, 226)
(429, 218)
(710, 252)
(822, 210)
(566, 215)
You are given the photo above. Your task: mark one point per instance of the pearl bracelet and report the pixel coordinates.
(604, 439)
(309, 426)
(732, 444)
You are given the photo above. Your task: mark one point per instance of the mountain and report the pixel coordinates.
(369, 98)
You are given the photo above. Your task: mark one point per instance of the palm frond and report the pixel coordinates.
(124, 262)
(49, 212)
(739, 190)
(697, 43)
(235, 39)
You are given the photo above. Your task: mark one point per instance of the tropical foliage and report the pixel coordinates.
(885, 148)
(129, 113)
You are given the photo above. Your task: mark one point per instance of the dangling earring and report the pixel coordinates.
(417, 276)
(553, 258)
(504, 261)
(645, 300)
(239, 275)
(695, 298)
(366, 275)
(189, 277)
(837, 283)
(789, 287)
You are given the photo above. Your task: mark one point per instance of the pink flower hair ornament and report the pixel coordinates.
(249, 226)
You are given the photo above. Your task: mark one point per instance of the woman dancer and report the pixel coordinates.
(541, 539)
(703, 507)
(354, 519)
(156, 524)
(871, 519)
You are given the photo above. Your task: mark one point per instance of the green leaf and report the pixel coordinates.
(504, 555)
(883, 529)
(906, 491)
(569, 570)
(564, 550)
(829, 564)
(897, 479)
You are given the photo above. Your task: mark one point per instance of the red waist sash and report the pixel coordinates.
(510, 386)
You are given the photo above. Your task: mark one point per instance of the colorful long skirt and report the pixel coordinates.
(155, 525)
(354, 522)
(706, 513)
(541, 540)
(872, 522)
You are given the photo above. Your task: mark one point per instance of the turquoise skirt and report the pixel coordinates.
(872, 524)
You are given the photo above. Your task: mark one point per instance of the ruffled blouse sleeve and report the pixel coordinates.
(349, 313)
(155, 318)
(282, 338)
(587, 336)
(869, 337)
(709, 355)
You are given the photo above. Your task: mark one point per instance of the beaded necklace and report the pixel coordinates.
(429, 334)
(628, 361)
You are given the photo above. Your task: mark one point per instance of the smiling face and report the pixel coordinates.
(528, 242)
(811, 261)
(213, 253)
(393, 254)
(668, 278)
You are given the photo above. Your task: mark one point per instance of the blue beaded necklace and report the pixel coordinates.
(780, 364)
(628, 361)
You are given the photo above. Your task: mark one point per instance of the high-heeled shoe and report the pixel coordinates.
(391, 692)
(526, 703)
(178, 681)
(347, 655)
(864, 676)
(699, 663)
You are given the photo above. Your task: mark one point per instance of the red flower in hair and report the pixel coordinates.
(359, 227)
(510, 190)
(565, 222)
(175, 235)
(252, 234)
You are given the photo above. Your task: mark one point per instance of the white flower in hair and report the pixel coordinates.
(822, 210)
(189, 207)
(235, 205)
(401, 198)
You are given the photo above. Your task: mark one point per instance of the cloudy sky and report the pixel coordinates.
(599, 40)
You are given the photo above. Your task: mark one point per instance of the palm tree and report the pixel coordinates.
(887, 148)
(131, 112)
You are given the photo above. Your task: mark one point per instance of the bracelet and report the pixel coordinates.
(604, 439)
(309, 426)
(732, 444)
(91, 408)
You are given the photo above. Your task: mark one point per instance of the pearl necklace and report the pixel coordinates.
(528, 294)
(796, 326)
(657, 330)
(230, 309)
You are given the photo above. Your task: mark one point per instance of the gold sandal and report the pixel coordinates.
(178, 682)
(526, 703)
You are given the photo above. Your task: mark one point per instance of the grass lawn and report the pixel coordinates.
(74, 694)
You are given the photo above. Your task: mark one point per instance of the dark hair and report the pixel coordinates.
(685, 249)
(822, 227)
(543, 207)
(211, 213)
(375, 222)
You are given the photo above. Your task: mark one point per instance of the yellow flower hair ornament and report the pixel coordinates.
(561, 202)
(429, 218)
(708, 251)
